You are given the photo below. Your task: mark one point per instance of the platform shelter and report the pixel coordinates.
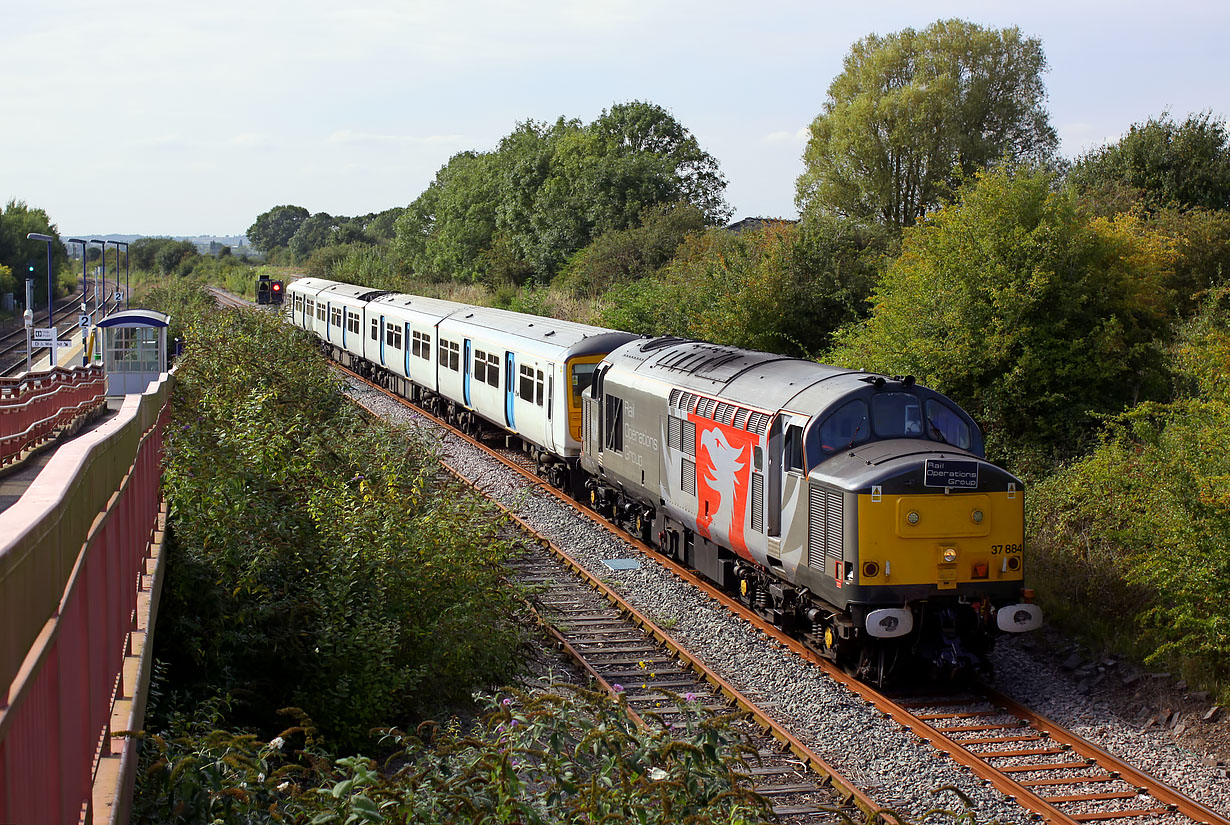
(134, 349)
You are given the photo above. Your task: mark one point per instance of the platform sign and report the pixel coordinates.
(83, 321)
(118, 296)
(45, 335)
(946, 472)
(63, 344)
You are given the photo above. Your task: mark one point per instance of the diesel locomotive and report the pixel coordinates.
(852, 508)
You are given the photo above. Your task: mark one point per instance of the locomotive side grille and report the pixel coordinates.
(675, 393)
(815, 528)
(706, 407)
(741, 418)
(687, 477)
(687, 401)
(674, 433)
(758, 423)
(758, 502)
(833, 517)
(689, 439)
(824, 527)
(722, 409)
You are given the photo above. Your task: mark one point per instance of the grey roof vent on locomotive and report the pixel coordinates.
(758, 379)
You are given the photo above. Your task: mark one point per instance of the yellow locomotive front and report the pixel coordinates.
(929, 567)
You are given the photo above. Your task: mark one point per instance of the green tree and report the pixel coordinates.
(274, 229)
(622, 255)
(915, 111)
(17, 220)
(1165, 163)
(548, 190)
(315, 232)
(782, 288)
(1032, 315)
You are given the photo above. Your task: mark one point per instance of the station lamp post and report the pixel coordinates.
(48, 239)
(85, 308)
(124, 244)
(98, 293)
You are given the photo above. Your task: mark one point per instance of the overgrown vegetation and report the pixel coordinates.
(317, 561)
(551, 757)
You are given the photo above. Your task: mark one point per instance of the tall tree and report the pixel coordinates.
(914, 112)
(275, 228)
(16, 251)
(1166, 163)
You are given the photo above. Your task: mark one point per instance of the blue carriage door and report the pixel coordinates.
(328, 317)
(510, 389)
(406, 350)
(465, 373)
(382, 336)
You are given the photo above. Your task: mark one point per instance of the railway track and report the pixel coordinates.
(1054, 774)
(13, 344)
(1050, 771)
(627, 654)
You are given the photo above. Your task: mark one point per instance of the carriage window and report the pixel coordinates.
(525, 386)
(421, 345)
(493, 370)
(375, 329)
(392, 336)
(352, 322)
(320, 311)
(335, 316)
(454, 356)
(896, 415)
(943, 424)
(480, 365)
(840, 431)
(540, 385)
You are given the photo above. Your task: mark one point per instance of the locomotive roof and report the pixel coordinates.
(757, 379)
(323, 286)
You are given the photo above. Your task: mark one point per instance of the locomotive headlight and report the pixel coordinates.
(950, 554)
(976, 516)
(912, 517)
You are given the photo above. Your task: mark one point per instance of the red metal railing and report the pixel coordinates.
(34, 405)
(69, 578)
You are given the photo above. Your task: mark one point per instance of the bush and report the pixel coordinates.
(1130, 544)
(316, 560)
(782, 288)
(1033, 316)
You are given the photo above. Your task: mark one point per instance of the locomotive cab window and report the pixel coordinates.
(943, 424)
(793, 449)
(896, 415)
(840, 431)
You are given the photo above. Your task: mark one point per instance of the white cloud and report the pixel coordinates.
(798, 137)
(252, 140)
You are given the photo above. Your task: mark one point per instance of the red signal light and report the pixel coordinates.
(277, 286)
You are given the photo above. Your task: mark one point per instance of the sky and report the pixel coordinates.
(163, 117)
